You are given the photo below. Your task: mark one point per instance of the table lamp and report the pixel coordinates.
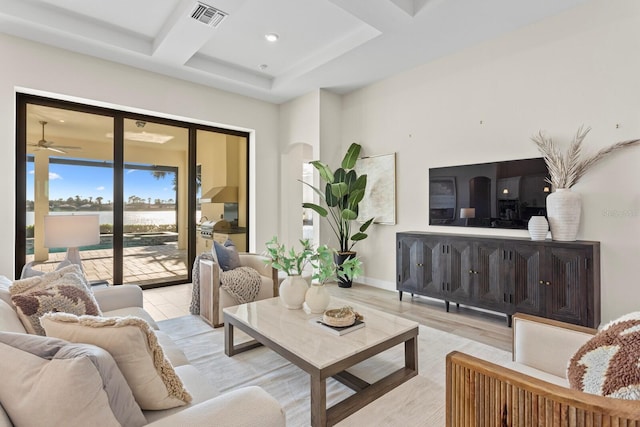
(466, 213)
(71, 231)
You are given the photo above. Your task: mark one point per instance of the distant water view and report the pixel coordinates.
(130, 217)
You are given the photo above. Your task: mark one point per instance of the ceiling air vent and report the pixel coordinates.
(208, 15)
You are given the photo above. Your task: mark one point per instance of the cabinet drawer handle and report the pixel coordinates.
(542, 282)
(547, 283)
(420, 264)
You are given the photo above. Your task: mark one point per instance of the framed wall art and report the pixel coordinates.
(380, 196)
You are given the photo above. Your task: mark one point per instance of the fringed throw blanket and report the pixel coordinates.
(194, 307)
(242, 283)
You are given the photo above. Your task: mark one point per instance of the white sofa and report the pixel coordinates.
(533, 389)
(207, 406)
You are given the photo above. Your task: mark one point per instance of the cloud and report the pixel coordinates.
(131, 171)
(100, 188)
(53, 175)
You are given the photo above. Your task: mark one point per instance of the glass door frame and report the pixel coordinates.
(118, 116)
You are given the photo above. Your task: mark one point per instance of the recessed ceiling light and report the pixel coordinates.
(271, 37)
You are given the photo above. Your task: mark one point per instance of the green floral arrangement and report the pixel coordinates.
(290, 261)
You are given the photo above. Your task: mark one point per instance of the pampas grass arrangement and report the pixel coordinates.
(565, 170)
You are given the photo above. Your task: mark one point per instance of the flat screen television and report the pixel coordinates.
(493, 195)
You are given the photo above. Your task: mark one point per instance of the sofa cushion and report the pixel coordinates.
(48, 381)
(227, 255)
(607, 364)
(135, 348)
(199, 387)
(60, 291)
(9, 321)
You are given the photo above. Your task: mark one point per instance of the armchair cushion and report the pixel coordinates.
(607, 364)
(135, 348)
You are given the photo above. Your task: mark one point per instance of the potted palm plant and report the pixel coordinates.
(325, 270)
(342, 193)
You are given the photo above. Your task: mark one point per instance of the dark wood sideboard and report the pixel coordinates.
(557, 280)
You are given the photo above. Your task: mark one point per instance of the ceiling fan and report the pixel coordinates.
(48, 145)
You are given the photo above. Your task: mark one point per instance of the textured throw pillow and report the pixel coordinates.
(135, 348)
(52, 292)
(227, 255)
(29, 282)
(47, 381)
(609, 363)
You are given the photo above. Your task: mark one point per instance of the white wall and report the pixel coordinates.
(35, 66)
(483, 104)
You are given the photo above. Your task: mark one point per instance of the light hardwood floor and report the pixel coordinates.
(488, 328)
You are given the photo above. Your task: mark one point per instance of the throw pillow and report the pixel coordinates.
(135, 348)
(21, 285)
(607, 364)
(39, 295)
(28, 271)
(227, 255)
(47, 381)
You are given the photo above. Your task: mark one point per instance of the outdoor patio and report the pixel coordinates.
(143, 265)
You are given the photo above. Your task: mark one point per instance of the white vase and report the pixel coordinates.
(317, 298)
(292, 292)
(563, 211)
(538, 227)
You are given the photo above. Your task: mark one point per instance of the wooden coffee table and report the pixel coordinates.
(322, 354)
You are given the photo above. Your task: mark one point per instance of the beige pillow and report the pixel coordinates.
(50, 382)
(135, 348)
(64, 290)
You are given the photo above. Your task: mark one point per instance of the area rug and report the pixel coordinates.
(418, 402)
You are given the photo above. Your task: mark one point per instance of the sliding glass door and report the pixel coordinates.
(140, 175)
(155, 221)
(68, 172)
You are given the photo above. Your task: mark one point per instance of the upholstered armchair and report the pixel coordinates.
(213, 298)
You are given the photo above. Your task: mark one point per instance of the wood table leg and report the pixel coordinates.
(318, 401)
(228, 339)
(411, 354)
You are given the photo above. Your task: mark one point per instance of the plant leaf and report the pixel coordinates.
(366, 225)
(331, 199)
(351, 156)
(359, 236)
(339, 190)
(319, 209)
(349, 215)
(323, 170)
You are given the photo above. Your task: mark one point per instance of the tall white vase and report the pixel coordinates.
(292, 292)
(564, 208)
(538, 227)
(317, 298)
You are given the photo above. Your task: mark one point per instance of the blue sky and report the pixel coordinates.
(68, 181)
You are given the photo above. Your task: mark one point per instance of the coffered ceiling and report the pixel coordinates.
(338, 45)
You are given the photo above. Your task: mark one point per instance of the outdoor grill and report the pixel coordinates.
(207, 228)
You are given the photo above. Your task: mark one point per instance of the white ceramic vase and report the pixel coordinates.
(317, 298)
(564, 208)
(538, 227)
(292, 292)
